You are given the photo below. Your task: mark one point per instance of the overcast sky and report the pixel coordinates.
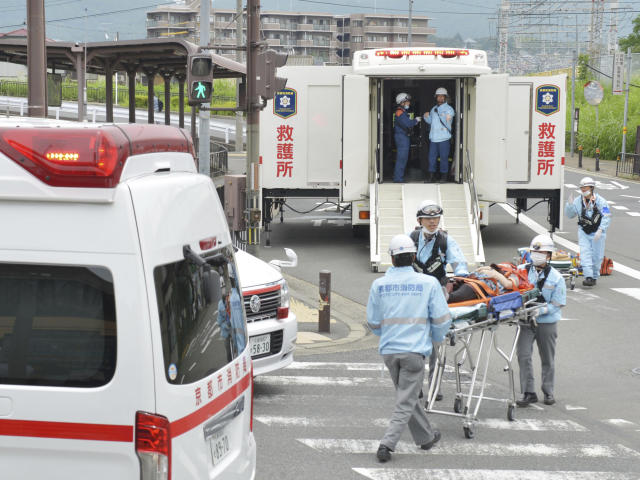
(94, 20)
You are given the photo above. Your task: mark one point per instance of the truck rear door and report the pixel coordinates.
(355, 137)
(489, 160)
(519, 133)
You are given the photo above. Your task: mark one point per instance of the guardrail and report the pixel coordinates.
(474, 209)
(219, 159)
(629, 164)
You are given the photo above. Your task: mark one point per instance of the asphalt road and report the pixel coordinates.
(323, 417)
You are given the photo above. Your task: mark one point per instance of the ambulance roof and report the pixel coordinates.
(418, 61)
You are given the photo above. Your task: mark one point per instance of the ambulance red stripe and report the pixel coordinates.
(198, 417)
(66, 430)
(261, 290)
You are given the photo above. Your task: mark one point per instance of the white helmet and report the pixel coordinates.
(401, 244)
(402, 97)
(441, 91)
(542, 243)
(587, 182)
(429, 209)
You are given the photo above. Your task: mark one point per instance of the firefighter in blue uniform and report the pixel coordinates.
(440, 118)
(544, 329)
(594, 217)
(409, 313)
(403, 124)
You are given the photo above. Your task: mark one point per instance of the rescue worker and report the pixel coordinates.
(407, 310)
(435, 250)
(440, 118)
(402, 127)
(544, 326)
(594, 217)
(231, 322)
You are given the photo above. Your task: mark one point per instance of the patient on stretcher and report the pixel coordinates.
(486, 282)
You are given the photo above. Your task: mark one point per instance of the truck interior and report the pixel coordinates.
(422, 100)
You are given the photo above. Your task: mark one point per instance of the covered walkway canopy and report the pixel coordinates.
(162, 56)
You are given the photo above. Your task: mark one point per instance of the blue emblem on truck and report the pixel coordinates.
(547, 99)
(285, 103)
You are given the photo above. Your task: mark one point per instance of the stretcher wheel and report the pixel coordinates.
(510, 410)
(468, 433)
(457, 405)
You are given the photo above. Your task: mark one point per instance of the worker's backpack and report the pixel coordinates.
(606, 267)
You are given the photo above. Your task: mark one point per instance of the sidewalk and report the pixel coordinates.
(607, 167)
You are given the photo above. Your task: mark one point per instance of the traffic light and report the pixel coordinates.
(343, 52)
(267, 84)
(200, 78)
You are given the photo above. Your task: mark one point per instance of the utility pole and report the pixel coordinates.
(409, 40)
(626, 104)
(503, 36)
(239, 22)
(573, 103)
(204, 147)
(253, 118)
(36, 59)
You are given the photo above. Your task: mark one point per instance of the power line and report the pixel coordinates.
(351, 5)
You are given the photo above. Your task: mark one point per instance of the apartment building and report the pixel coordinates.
(325, 37)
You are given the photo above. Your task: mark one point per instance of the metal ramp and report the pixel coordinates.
(395, 206)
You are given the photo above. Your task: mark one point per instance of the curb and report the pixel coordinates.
(349, 313)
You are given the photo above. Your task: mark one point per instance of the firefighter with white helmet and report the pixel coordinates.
(440, 118)
(594, 217)
(402, 127)
(409, 313)
(544, 328)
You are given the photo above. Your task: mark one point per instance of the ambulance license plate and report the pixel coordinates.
(219, 445)
(260, 344)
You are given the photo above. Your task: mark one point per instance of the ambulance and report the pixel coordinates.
(123, 341)
(330, 134)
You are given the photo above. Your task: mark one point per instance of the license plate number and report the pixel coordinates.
(260, 344)
(219, 445)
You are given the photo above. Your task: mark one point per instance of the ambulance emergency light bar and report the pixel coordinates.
(91, 157)
(445, 53)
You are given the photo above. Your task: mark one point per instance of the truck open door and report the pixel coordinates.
(355, 138)
(489, 160)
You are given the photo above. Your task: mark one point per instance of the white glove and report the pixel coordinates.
(418, 119)
(571, 198)
(597, 236)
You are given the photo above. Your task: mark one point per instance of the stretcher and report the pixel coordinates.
(566, 263)
(512, 310)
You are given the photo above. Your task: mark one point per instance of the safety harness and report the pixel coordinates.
(541, 279)
(434, 265)
(590, 225)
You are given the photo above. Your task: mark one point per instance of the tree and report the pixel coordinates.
(633, 39)
(584, 72)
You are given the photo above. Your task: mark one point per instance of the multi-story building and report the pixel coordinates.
(325, 37)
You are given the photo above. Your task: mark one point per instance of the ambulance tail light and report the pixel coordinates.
(153, 446)
(89, 157)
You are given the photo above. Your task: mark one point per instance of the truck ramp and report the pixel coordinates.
(395, 206)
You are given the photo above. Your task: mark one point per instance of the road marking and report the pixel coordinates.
(304, 380)
(620, 422)
(620, 207)
(528, 425)
(537, 228)
(305, 338)
(633, 214)
(632, 292)
(574, 407)
(349, 366)
(629, 196)
(459, 474)
(587, 450)
(570, 185)
(317, 223)
(619, 185)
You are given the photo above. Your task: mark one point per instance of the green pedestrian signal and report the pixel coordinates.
(201, 91)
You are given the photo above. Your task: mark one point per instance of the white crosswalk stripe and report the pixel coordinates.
(479, 474)
(633, 214)
(632, 292)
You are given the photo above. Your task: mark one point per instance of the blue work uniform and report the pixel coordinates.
(453, 257)
(440, 136)
(591, 251)
(231, 321)
(401, 130)
(554, 292)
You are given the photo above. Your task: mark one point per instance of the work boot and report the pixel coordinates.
(436, 177)
(384, 453)
(436, 439)
(429, 178)
(527, 399)
(588, 282)
(443, 178)
(548, 399)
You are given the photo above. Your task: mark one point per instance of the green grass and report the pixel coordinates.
(607, 133)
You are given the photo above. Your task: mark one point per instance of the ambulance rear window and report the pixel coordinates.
(57, 325)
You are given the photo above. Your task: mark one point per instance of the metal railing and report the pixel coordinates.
(474, 209)
(219, 157)
(629, 164)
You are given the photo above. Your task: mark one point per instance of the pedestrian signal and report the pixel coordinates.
(200, 78)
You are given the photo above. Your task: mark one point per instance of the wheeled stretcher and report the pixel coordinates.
(508, 310)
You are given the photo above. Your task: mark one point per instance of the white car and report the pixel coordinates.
(271, 324)
(123, 342)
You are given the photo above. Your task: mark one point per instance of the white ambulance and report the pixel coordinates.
(123, 339)
(330, 134)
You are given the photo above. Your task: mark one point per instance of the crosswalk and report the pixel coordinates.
(541, 444)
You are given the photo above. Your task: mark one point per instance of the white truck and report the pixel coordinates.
(330, 134)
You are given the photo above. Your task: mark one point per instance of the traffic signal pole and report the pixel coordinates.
(253, 118)
(204, 155)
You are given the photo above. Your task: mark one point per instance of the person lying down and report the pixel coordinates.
(486, 281)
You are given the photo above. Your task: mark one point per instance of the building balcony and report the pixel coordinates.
(271, 26)
(304, 27)
(273, 42)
